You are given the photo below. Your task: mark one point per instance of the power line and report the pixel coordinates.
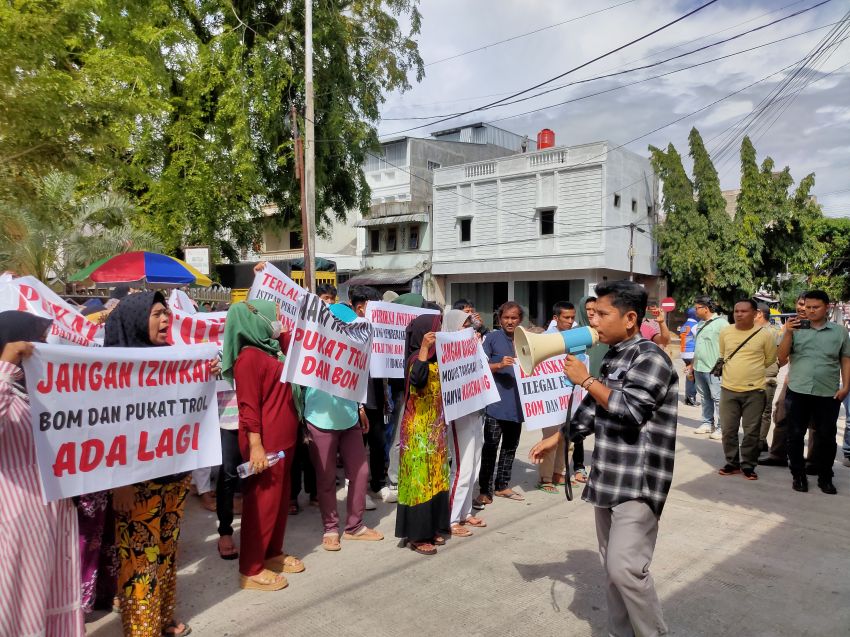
(572, 70)
(523, 35)
(623, 72)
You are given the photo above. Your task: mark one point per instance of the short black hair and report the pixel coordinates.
(590, 299)
(817, 295)
(626, 296)
(752, 303)
(358, 294)
(764, 308)
(802, 296)
(706, 301)
(510, 305)
(326, 288)
(460, 304)
(560, 306)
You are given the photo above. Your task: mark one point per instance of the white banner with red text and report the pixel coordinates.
(179, 300)
(328, 354)
(108, 417)
(545, 395)
(273, 285)
(389, 322)
(70, 327)
(465, 377)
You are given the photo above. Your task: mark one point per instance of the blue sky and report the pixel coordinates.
(811, 135)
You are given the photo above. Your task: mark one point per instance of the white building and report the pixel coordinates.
(543, 227)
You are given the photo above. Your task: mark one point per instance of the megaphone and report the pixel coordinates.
(531, 348)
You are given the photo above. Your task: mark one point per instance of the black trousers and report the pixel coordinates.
(801, 410)
(578, 454)
(302, 472)
(228, 480)
(377, 449)
(496, 431)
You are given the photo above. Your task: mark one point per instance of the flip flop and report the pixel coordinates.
(510, 495)
(330, 542)
(459, 531)
(473, 521)
(439, 540)
(420, 547)
(547, 487)
(187, 630)
(227, 556)
(285, 564)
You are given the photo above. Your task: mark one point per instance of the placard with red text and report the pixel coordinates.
(465, 377)
(273, 285)
(326, 353)
(108, 417)
(545, 395)
(389, 322)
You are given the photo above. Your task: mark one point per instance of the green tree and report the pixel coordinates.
(824, 261)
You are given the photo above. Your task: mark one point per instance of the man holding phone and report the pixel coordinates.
(820, 355)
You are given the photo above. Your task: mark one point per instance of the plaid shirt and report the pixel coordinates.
(636, 436)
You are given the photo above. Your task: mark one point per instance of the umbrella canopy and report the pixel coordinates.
(140, 268)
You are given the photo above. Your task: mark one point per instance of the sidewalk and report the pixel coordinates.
(733, 558)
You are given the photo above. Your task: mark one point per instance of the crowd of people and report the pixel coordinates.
(118, 549)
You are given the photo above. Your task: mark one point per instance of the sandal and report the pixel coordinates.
(481, 501)
(459, 531)
(509, 494)
(423, 548)
(270, 581)
(473, 521)
(225, 554)
(439, 540)
(330, 542)
(559, 479)
(294, 508)
(187, 630)
(547, 487)
(580, 475)
(285, 564)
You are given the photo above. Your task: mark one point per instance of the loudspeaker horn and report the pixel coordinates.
(532, 349)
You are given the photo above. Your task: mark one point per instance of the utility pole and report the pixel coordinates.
(299, 174)
(309, 218)
(631, 252)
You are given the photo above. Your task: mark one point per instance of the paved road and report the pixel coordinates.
(734, 558)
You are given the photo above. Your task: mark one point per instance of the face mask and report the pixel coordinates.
(277, 328)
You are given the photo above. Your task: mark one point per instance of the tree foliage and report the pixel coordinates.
(705, 250)
(184, 104)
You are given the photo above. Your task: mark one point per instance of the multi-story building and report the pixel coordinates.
(543, 227)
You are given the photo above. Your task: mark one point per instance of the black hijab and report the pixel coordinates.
(21, 326)
(415, 333)
(128, 324)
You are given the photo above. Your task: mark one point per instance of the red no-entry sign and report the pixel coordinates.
(668, 304)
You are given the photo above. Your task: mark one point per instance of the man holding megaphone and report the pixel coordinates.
(631, 408)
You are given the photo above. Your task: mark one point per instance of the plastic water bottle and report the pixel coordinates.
(247, 469)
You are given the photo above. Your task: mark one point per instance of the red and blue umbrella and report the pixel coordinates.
(142, 268)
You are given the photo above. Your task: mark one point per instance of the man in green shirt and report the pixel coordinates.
(819, 352)
(706, 353)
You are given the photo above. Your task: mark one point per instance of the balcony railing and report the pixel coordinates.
(481, 170)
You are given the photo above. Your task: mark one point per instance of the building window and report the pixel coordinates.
(634, 205)
(616, 201)
(413, 238)
(295, 241)
(547, 222)
(374, 241)
(432, 165)
(391, 239)
(465, 230)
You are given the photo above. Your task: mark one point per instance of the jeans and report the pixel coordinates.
(708, 387)
(690, 385)
(845, 448)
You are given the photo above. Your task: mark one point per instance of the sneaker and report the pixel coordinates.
(750, 474)
(691, 402)
(703, 429)
(388, 495)
(370, 503)
(800, 483)
(716, 435)
(728, 470)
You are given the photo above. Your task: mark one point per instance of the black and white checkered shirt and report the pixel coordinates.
(636, 436)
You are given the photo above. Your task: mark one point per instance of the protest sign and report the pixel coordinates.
(465, 377)
(273, 285)
(203, 327)
(326, 353)
(28, 294)
(389, 321)
(179, 300)
(545, 394)
(110, 417)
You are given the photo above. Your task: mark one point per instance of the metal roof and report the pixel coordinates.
(385, 277)
(417, 217)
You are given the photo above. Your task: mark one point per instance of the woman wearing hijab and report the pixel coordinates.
(252, 360)
(147, 514)
(423, 477)
(466, 437)
(40, 577)
(336, 426)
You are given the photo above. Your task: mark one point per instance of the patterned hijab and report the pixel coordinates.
(128, 324)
